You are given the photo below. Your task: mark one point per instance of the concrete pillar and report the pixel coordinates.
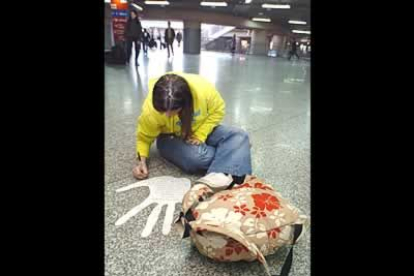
(238, 45)
(192, 37)
(259, 43)
(279, 44)
(109, 36)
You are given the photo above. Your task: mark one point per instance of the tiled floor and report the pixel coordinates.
(268, 97)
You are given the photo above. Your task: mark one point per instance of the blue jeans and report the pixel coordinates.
(227, 150)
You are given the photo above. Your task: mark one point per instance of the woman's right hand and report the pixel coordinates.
(141, 171)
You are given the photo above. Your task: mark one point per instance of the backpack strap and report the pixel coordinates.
(184, 219)
(188, 216)
(198, 193)
(289, 259)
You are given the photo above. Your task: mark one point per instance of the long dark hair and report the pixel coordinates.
(172, 92)
(136, 15)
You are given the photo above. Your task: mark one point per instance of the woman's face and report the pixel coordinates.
(133, 15)
(172, 113)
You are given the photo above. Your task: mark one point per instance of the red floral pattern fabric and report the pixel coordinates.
(246, 222)
(266, 201)
(245, 185)
(225, 197)
(233, 246)
(262, 186)
(258, 212)
(241, 209)
(273, 233)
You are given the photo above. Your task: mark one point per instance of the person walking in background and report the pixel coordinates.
(159, 38)
(169, 38)
(233, 44)
(293, 49)
(133, 34)
(179, 38)
(145, 42)
(152, 43)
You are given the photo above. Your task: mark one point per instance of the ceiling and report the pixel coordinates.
(300, 10)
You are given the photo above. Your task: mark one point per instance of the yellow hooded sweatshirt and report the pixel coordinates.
(208, 112)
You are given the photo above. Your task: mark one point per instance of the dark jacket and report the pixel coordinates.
(133, 29)
(179, 37)
(171, 39)
(146, 37)
(294, 46)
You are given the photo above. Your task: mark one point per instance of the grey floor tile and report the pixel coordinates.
(268, 97)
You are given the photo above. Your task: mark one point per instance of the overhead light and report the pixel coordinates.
(137, 7)
(163, 3)
(248, 1)
(261, 19)
(297, 22)
(214, 4)
(107, 1)
(300, 32)
(275, 6)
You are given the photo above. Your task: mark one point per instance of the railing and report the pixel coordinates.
(210, 33)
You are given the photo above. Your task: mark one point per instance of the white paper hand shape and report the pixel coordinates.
(164, 190)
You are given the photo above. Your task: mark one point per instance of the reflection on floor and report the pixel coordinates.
(268, 97)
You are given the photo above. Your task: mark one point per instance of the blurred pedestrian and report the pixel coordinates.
(179, 38)
(146, 39)
(133, 34)
(233, 44)
(169, 38)
(293, 49)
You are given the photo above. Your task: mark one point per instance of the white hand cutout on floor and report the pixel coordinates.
(164, 190)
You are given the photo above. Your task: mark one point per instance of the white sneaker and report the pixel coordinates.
(216, 181)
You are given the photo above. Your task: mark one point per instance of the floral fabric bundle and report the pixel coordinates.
(246, 222)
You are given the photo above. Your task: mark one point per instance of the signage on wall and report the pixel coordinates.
(119, 19)
(119, 13)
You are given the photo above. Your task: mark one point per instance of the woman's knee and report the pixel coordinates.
(240, 134)
(189, 158)
(197, 159)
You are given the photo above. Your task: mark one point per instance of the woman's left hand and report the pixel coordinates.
(193, 141)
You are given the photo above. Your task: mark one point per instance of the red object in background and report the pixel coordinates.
(119, 4)
(119, 19)
(119, 26)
